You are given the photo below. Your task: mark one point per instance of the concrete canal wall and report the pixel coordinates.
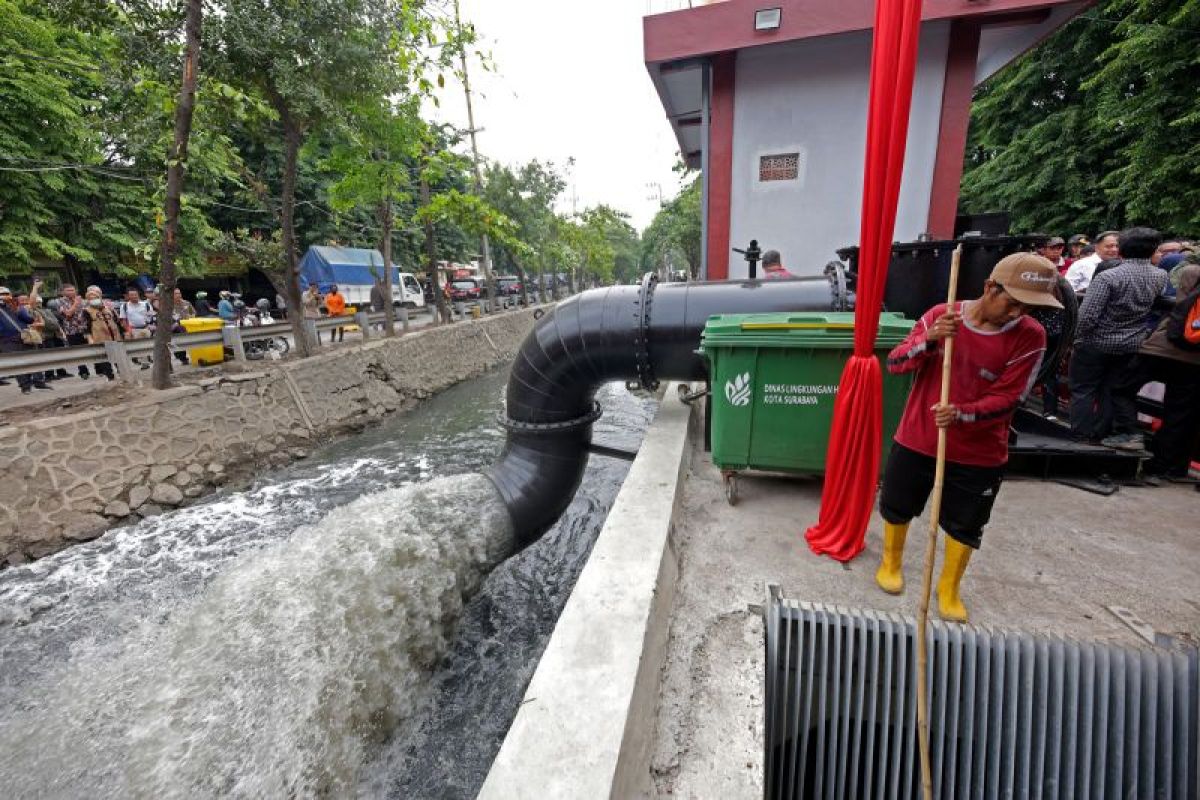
(69, 477)
(586, 727)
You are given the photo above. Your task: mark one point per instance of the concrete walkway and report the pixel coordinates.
(1053, 559)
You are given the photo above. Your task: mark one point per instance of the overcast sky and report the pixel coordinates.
(569, 80)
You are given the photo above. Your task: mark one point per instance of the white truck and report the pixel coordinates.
(355, 270)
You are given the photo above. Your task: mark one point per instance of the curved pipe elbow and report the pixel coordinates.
(622, 333)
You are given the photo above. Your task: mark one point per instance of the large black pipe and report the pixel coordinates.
(643, 333)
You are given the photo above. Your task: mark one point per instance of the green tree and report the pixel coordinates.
(602, 241)
(176, 168)
(1093, 129)
(375, 165)
(46, 141)
(674, 235)
(87, 114)
(312, 61)
(527, 195)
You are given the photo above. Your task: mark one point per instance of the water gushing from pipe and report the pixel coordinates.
(279, 676)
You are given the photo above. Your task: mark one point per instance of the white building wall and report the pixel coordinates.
(811, 97)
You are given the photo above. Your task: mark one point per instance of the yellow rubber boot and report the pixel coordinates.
(890, 576)
(950, 604)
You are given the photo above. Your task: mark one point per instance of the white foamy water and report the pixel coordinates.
(170, 554)
(72, 625)
(278, 677)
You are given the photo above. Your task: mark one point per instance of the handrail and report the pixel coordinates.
(53, 358)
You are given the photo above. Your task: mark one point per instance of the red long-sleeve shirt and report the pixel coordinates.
(990, 375)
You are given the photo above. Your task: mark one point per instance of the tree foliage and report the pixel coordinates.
(48, 74)
(1096, 127)
(307, 129)
(604, 246)
(527, 195)
(672, 240)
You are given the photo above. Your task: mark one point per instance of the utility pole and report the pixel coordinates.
(571, 180)
(656, 193)
(487, 248)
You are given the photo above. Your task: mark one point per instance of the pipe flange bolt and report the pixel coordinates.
(517, 426)
(641, 352)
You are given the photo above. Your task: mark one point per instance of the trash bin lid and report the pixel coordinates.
(817, 329)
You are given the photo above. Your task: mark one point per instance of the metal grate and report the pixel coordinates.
(1012, 715)
(779, 167)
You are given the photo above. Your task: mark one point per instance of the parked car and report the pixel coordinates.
(508, 285)
(463, 290)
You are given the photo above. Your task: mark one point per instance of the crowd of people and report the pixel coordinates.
(31, 321)
(1138, 294)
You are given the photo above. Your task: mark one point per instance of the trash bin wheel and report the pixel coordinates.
(731, 487)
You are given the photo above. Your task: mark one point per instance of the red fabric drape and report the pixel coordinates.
(855, 438)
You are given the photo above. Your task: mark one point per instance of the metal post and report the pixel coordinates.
(404, 317)
(364, 324)
(119, 358)
(232, 338)
(489, 278)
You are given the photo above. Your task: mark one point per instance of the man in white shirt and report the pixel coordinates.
(135, 314)
(1079, 274)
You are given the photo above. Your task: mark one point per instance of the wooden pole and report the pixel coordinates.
(935, 512)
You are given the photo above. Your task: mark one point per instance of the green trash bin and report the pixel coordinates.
(774, 379)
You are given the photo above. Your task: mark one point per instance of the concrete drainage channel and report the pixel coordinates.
(586, 724)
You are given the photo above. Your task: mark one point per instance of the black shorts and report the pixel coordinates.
(967, 496)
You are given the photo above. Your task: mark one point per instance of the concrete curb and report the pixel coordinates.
(586, 725)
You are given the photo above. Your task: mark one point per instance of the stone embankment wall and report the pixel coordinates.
(68, 478)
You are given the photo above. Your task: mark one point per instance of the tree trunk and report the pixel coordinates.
(524, 285)
(176, 166)
(439, 299)
(389, 309)
(287, 218)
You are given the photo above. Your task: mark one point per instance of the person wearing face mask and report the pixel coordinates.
(103, 326)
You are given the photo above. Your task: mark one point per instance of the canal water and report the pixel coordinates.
(339, 628)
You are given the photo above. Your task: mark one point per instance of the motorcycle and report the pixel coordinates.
(274, 348)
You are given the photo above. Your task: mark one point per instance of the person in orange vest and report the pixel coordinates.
(335, 304)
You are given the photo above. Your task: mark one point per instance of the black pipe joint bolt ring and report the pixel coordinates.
(517, 426)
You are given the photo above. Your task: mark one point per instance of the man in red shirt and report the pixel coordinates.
(773, 268)
(997, 353)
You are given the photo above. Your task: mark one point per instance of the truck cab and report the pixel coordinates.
(408, 291)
